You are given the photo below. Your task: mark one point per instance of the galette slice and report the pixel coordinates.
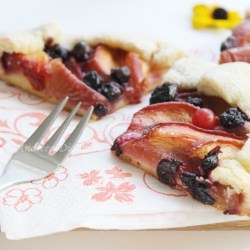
(196, 139)
(106, 71)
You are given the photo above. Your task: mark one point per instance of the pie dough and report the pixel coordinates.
(187, 72)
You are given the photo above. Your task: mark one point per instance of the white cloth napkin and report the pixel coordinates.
(92, 189)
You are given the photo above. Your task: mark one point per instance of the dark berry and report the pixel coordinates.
(81, 51)
(211, 160)
(188, 179)
(229, 43)
(166, 170)
(121, 75)
(204, 118)
(100, 109)
(196, 189)
(231, 118)
(200, 193)
(93, 79)
(196, 101)
(116, 147)
(219, 13)
(111, 90)
(57, 51)
(164, 93)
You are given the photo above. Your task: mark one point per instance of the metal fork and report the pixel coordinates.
(30, 163)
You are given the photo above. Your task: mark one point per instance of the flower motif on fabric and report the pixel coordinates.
(117, 172)
(109, 185)
(121, 193)
(52, 180)
(91, 178)
(22, 199)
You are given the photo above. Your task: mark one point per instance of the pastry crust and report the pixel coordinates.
(160, 53)
(231, 82)
(29, 41)
(187, 72)
(232, 174)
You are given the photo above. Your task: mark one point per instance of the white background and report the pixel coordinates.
(168, 20)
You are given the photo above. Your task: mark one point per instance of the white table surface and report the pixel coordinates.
(169, 20)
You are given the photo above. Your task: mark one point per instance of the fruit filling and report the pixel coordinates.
(104, 77)
(181, 138)
(213, 112)
(97, 67)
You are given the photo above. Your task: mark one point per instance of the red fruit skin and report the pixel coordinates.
(204, 118)
(135, 88)
(61, 82)
(102, 61)
(33, 66)
(239, 54)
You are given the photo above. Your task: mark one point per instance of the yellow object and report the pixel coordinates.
(203, 17)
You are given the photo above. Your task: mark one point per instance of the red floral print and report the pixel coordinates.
(22, 200)
(121, 193)
(118, 173)
(91, 178)
(52, 180)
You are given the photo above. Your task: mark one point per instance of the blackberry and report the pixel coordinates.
(121, 75)
(196, 101)
(164, 93)
(188, 179)
(200, 193)
(57, 51)
(229, 43)
(209, 162)
(81, 51)
(231, 118)
(93, 79)
(111, 90)
(196, 189)
(100, 109)
(166, 170)
(116, 147)
(220, 13)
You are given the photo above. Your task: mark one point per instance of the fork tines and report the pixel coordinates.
(37, 136)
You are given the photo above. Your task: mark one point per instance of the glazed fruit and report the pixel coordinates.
(111, 90)
(164, 93)
(204, 118)
(100, 110)
(93, 79)
(56, 51)
(211, 160)
(166, 169)
(101, 61)
(81, 51)
(162, 141)
(121, 75)
(196, 101)
(198, 190)
(231, 118)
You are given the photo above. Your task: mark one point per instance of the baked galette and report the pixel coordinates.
(194, 135)
(106, 71)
